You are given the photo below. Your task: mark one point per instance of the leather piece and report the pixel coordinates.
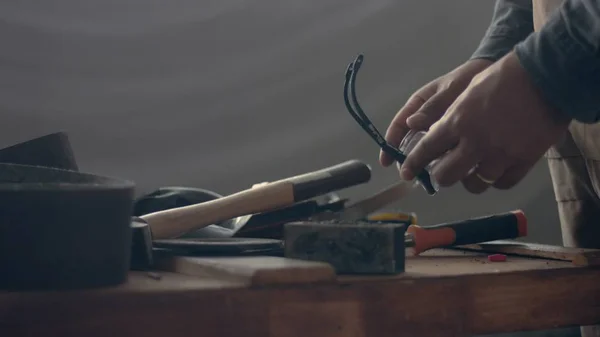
(52, 150)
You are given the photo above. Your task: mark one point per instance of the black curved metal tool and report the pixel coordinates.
(361, 118)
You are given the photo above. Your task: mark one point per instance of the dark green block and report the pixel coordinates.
(350, 247)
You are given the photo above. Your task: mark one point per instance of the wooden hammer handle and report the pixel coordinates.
(174, 222)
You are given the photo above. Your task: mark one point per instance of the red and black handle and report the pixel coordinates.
(502, 226)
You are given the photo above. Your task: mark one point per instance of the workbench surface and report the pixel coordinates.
(444, 293)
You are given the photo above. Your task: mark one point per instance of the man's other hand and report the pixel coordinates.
(430, 102)
(492, 134)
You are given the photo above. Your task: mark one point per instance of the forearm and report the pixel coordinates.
(511, 23)
(563, 59)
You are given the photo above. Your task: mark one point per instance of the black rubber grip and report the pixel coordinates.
(502, 226)
(333, 178)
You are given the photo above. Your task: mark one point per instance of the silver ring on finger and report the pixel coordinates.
(485, 180)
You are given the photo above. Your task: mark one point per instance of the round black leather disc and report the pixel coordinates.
(198, 246)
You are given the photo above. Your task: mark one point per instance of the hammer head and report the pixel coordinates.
(354, 247)
(141, 245)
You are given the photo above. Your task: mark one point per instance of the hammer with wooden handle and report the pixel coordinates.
(174, 222)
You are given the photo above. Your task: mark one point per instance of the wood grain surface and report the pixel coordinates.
(441, 294)
(578, 256)
(251, 271)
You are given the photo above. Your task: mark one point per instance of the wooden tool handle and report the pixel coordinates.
(508, 225)
(174, 222)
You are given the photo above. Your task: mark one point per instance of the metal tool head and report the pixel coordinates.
(362, 208)
(361, 118)
(270, 224)
(378, 200)
(141, 245)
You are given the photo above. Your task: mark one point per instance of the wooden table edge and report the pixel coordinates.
(465, 305)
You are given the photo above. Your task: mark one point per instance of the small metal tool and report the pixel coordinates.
(361, 209)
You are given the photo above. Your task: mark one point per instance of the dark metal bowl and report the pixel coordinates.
(63, 229)
(59, 228)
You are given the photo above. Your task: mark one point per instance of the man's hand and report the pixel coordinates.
(430, 102)
(494, 132)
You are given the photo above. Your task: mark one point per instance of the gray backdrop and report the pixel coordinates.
(222, 94)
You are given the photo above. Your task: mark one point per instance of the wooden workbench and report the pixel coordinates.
(446, 293)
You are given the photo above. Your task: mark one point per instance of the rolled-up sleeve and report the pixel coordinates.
(563, 59)
(512, 22)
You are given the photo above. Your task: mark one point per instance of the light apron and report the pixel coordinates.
(575, 169)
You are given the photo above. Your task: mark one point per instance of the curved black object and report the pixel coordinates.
(165, 198)
(59, 228)
(365, 123)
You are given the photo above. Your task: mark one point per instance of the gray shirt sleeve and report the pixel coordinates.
(512, 22)
(563, 59)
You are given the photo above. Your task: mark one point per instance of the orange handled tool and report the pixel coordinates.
(502, 226)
